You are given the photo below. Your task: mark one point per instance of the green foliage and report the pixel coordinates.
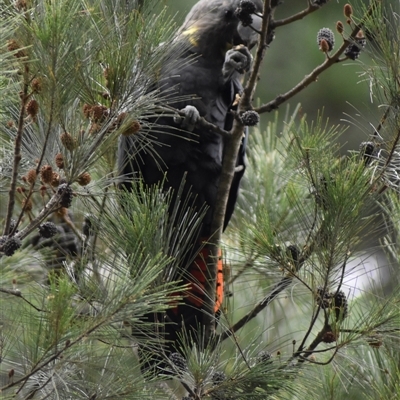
(80, 53)
(71, 325)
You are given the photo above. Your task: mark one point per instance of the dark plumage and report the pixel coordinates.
(209, 30)
(208, 75)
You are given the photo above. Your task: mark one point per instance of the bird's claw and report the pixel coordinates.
(189, 120)
(237, 59)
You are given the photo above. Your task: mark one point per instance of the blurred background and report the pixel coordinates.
(342, 91)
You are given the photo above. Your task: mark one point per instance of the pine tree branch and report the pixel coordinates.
(278, 288)
(17, 154)
(320, 338)
(310, 351)
(52, 205)
(37, 166)
(370, 330)
(58, 353)
(17, 293)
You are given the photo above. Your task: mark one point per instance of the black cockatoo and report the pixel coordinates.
(209, 74)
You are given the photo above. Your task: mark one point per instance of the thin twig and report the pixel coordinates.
(381, 122)
(246, 99)
(319, 351)
(17, 293)
(37, 167)
(370, 331)
(314, 344)
(310, 328)
(303, 358)
(295, 17)
(51, 206)
(189, 390)
(17, 155)
(278, 288)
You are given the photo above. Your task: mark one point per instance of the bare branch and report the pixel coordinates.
(245, 101)
(300, 15)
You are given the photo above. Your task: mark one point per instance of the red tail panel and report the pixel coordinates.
(196, 278)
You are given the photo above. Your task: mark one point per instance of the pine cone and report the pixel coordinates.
(59, 159)
(348, 10)
(131, 129)
(353, 50)
(36, 85)
(69, 142)
(55, 181)
(340, 305)
(250, 118)
(47, 230)
(32, 108)
(3, 239)
(322, 298)
(66, 195)
(46, 174)
(31, 176)
(293, 252)
(98, 113)
(87, 227)
(84, 179)
(244, 11)
(264, 357)
(11, 245)
(339, 27)
(367, 150)
(329, 337)
(248, 6)
(218, 377)
(327, 35)
(178, 360)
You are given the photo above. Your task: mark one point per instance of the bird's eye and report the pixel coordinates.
(228, 14)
